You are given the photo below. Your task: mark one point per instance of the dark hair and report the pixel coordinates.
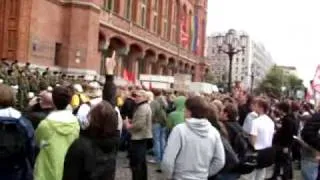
(197, 106)
(103, 120)
(61, 97)
(156, 92)
(284, 107)
(231, 111)
(228, 100)
(7, 98)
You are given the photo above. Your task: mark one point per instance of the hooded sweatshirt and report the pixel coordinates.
(177, 116)
(54, 135)
(194, 151)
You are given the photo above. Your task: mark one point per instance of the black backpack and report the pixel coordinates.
(13, 144)
(244, 149)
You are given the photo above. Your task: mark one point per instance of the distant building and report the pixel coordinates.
(256, 61)
(289, 70)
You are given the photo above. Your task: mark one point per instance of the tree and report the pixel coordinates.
(210, 78)
(276, 79)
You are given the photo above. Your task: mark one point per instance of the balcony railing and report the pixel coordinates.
(149, 37)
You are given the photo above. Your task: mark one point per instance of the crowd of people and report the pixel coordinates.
(72, 129)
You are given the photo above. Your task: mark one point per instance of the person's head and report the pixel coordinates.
(228, 100)
(45, 100)
(218, 104)
(61, 97)
(7, 98)
(139, 96)
(229, 113)
(196, 107)
(157, 92)
(103, 120)
(213, 114)
(150, 96)
(260, 105)
(284, 107)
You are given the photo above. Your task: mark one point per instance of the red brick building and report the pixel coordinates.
(75, 34)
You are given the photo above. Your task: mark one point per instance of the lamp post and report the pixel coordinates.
(231, 44)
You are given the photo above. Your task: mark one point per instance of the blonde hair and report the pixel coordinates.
(150, 96)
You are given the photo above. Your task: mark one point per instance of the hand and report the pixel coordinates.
(110, 64)
(285, 150)
(127, 124)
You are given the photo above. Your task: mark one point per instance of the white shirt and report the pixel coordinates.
(84, 110)
(263, 129)
(247, 125)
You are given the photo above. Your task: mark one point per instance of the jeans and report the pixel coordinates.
(284, 161)
(159, 141)
(227, 176)
(137, 156)
(309, 170)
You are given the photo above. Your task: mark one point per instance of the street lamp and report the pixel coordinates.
(231, 44)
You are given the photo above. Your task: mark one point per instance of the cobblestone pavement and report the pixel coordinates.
(124, 173)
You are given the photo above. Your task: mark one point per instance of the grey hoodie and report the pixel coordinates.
(194, 151)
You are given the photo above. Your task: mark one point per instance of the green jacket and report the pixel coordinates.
(158, 112)
(54, 135)
(177, 116)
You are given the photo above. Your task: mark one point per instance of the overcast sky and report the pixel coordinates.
(289, 29)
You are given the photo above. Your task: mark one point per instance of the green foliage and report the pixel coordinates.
(276, 79)
(210, 78)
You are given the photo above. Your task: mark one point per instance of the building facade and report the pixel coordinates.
(76, 35)
(289, 70)
(248, 67)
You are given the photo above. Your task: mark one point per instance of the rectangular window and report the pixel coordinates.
(165, 29)
(165, 9)
(155, 23)
(143, 16)
(155, 5)
(143, 13)
(173, 34)
(128, 9)
(110, 5)
(57, 53)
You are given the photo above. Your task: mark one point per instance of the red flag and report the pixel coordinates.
(129, 76)
(316, 80)
(126, 75)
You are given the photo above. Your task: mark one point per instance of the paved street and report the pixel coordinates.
(124, 173)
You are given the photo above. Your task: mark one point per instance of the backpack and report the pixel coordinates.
(13, 144)
(75, 111)
(244, 150)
